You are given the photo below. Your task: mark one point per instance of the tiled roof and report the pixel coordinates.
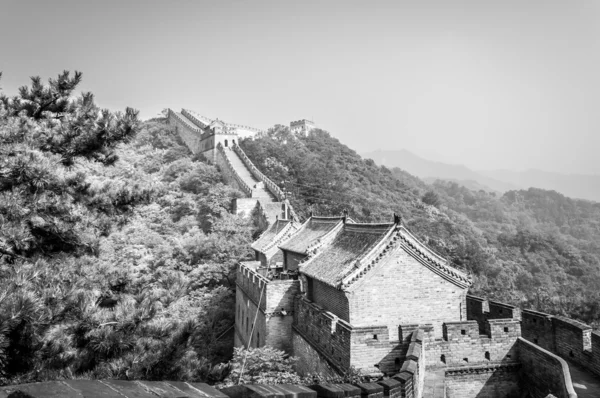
(338, 258)
(357, 248)
(267, 237)
(309, 232)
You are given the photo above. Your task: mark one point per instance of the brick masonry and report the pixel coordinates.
(543, 372)
(565, 337)
(274, 320)
(483, 382)
(401, 290)
(310, 361)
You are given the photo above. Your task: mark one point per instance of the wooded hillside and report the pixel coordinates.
(534, 248)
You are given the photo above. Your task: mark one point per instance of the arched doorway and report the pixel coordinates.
(225, 142)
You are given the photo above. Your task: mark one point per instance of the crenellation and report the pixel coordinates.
(453, 331)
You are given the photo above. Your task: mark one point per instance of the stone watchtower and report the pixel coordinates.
(203, 135)
(303, 126)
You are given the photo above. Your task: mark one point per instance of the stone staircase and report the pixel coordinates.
(258, 188)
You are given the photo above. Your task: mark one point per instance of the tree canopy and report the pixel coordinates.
(117, 248)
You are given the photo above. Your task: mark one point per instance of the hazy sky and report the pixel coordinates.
(489, 84)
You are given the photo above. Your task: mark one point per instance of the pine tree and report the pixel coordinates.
(43, 132)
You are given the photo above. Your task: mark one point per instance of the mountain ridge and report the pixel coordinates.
(581, 186)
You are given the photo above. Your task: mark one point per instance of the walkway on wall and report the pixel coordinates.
(258, 188)
(585, 383)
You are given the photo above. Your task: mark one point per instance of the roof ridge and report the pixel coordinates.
(396, 237)
(312, 248)
(280, 235)
(366, 262)
(370, 225)
(431, 255)
(449, 273)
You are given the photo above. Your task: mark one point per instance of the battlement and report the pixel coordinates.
(182, 119)
(197, 119)
(303, 126)
(570, 339)
(301, 122)
(270, 185)
(462, 343)
(277, 294)
(412, 372)
(325, 332)
(224, 162)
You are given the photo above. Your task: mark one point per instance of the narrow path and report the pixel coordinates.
(433, 386)
(258, 188)
(586, 384)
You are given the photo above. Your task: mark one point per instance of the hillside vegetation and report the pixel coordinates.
(534, 248)
(117, 248)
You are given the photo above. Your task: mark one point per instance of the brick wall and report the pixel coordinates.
(565, 337)
(543, 372)
(330, 298)
(537, 327)
(462, 345)
(572, 339)
(280, 295)
(496, 381)
(327, 334)
(412, 373)
(279, 332)
(245, 318)
(400, 291)
(252, 284)
(372, 351)
(190, 138)
(275, 318)
(310, 361)
(230, 177)
(481, 310)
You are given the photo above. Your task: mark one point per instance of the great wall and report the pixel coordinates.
(342, 295)
(339, 294)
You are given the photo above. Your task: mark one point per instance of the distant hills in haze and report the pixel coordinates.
(573, 185)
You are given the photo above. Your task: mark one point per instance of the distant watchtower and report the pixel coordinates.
(303, 126)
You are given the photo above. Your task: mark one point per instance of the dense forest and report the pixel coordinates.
(117, 248)
(534, 248)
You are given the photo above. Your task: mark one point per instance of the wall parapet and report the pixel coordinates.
(243, 186)
(277, 295)
(270, 185)
(412, 373)
(201, 124)
(188, 123)
(544, 372)
(328, 334)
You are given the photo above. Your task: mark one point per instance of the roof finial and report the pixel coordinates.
(345, 213)
(397, 219)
